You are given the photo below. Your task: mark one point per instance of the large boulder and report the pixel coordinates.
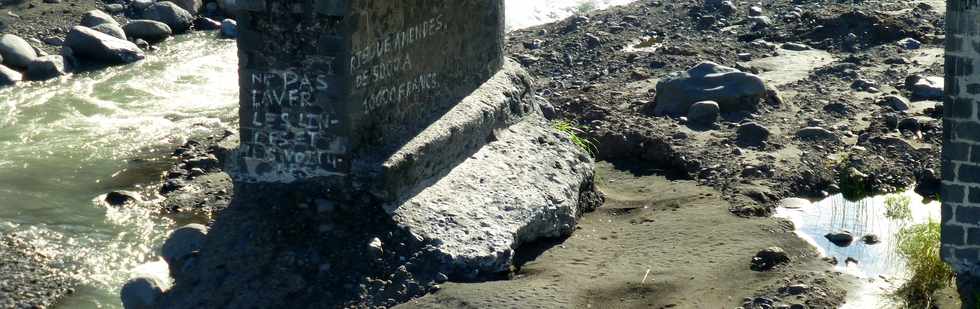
(95, 17)
(192, 6)
(46, 67)
(149, 30)
(179, 19)
(111, 29)
(91, 44)
(732, 89)
(8, 76)
(229, 7)
(926, 87)
(16, 52)
(141, 293)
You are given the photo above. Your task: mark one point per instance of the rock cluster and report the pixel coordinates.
(101, 39)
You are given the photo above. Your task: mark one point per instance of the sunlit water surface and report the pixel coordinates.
(879, 267)
(67, 142)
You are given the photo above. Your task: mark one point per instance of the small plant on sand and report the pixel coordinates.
(897, 207)
(919, 246)
(575, 134)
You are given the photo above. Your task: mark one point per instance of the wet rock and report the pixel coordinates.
(732, 89)
(797, 289)
(47, 67)
(16, 52)
(375, 249)
(850, 260)
(206, 24)
(183, 243)
(752, 133)
(929, 87)
(111, 29)
(114, 8)
(149, 30)
(88, 43)
(769, 258)
(910, 124)
(704, 113)
(8, 76)
(870, 239)
(120, 198)
(141, 293)
(909, 43)
(177, 18)
(795, 47)
(815, 133)
(840, 238)
(896, 102)
(229, 28)
(95, 17)
(191, 6)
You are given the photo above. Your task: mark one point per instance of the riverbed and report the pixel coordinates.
(69, 141)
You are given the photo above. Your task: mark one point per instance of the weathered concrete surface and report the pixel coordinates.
(500, 102)
(530, 184)
(354, 82)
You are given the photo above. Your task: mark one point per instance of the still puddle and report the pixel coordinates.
(879, 266)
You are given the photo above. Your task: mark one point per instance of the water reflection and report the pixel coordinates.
(878, 265)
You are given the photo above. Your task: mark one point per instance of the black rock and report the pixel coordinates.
(120, 198)
(769, 258)
(841, 238)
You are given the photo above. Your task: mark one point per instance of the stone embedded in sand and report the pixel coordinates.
(909, 43)
(840, 238)
(752, 134)
(928, 87)
(815, 133)
(704, 113)
(795, 47)
(896, 102)
(732, 89)
(769, 258)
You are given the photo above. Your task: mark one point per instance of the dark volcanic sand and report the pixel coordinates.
(696, 252)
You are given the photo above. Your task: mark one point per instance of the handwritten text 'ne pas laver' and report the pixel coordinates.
(294, 136)
(387, 59)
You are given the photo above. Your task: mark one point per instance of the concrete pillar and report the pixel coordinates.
(332, 88)
(961, 143)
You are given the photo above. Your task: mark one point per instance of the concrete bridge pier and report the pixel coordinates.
(961, 147)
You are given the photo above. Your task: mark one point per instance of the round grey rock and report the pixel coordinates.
(191, 6)
(897, 103)
(149, 30)
(179, 19)
(96, 17)
(732, 89)
(47, 67)
(88, 43)
(8, 76)
(704, 112)
(815, 133)
(111, 29)
(183, 242)
(141, 293)
(16, 52)
(229, 28)
(752, 133)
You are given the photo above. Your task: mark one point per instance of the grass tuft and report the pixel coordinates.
(575, 134)
(919, 246)
(897, 207)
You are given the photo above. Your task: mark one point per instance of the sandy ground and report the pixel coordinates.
(656, 243)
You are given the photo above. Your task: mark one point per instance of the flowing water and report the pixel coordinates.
(879, 267)
(68, 141)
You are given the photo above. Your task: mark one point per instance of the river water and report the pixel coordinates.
(68, 141)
